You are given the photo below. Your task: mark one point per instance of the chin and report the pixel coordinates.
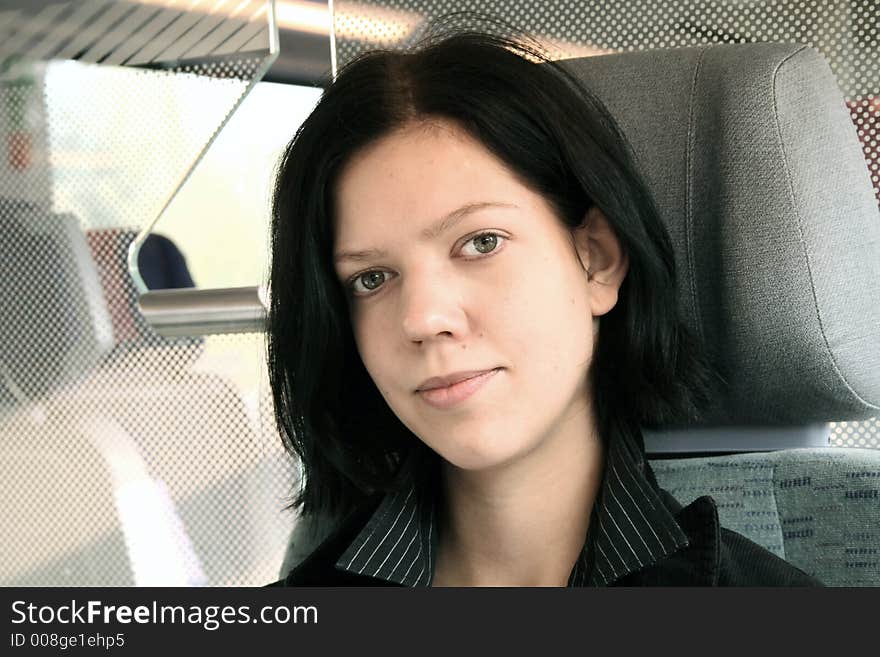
(476, 446)
(473, 459)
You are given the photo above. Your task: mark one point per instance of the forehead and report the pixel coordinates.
(414, 175)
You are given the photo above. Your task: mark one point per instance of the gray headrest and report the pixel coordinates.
(757, 169)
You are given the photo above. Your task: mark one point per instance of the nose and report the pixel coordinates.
(431, 308)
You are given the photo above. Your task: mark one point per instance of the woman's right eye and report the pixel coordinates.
(367, 282)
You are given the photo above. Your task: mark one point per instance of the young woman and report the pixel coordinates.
(472, 316)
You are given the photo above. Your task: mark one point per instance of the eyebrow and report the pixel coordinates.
(433, 231)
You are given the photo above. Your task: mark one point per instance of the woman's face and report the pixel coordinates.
(464, 269)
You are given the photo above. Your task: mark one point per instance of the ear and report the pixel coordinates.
(603, 259)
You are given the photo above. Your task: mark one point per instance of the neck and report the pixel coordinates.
(522, 523)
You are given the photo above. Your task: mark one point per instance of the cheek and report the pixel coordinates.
(551, 324)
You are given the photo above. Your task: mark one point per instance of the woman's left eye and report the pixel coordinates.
(484, 242)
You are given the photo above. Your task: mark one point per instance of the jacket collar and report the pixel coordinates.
(632, 527)
(698, 563)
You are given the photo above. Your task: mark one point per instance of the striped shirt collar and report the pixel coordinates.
(630, 529)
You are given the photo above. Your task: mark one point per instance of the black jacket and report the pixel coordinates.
(714, 556)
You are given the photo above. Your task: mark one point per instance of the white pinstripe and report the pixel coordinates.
(376, 549)
(367, 539)
(638, 508)
(601, 572)
(582, 568)
(430, 563)
(399, 538)
(608, 561)
(610, 492)
(648, 497)
(405, 552)
(608, 536)
(414, 561)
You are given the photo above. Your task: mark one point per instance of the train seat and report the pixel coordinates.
(761, 181)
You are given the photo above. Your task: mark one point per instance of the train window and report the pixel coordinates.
(140, 140)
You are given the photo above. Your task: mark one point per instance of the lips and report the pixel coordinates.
(447, 396)
(445, 381)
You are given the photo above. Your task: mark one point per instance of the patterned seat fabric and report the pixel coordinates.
(815, 508)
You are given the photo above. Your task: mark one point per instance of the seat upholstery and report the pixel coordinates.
(761, 181)
(816, 508)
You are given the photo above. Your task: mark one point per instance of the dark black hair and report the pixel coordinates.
(533, 115)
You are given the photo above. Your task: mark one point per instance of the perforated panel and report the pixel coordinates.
(125, 458)
(846, 33)
(856, 434)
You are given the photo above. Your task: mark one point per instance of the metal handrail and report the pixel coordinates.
(193, 312)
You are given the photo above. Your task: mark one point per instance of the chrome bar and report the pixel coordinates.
(735, 439)
(192, 312)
